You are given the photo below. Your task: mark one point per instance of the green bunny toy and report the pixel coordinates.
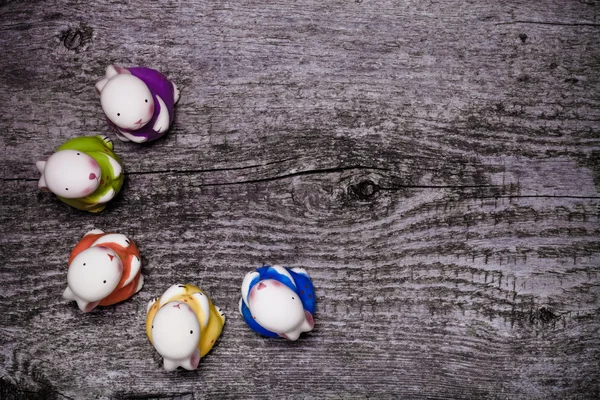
(84, 173)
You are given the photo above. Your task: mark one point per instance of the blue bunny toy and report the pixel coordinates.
(278, 301)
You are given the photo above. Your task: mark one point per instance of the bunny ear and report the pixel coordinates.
(282, 271)
(87, 307)
(119, 70)
(170, 365)
(100, 85)
(136, 265)
(309, 321)
(42, 185)
(248, 279)
(171, 292)
(117, 238)
(151, 303)
(83, 305)
(202, 300)
(192, 362)
(111, 72)
(40, 165)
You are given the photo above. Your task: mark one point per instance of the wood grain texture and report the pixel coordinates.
(435, 166)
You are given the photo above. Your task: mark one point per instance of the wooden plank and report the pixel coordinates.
(434, 166)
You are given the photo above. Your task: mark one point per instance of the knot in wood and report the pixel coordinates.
(542, 315)
(365, 189)
(523, 37)
(77, 38)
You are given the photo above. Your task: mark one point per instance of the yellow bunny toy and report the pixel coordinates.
(183, 325)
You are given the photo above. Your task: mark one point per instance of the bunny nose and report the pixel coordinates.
(139, 121)
(92, 176)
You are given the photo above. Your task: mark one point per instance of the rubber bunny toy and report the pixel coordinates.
(104, 269)
(84, 173)
(278, 301)
(183, 325)
(138, 102)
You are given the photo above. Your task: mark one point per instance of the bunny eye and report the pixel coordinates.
(66, 188)
(146, 100)
(191, 332)
(118, 114)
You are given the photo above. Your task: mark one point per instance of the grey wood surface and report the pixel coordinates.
(435, 166)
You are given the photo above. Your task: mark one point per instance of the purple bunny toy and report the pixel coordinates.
(138, 102)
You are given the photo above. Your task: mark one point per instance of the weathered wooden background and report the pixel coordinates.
(434, 165)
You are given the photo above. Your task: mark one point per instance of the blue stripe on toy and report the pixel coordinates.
(305, 290)
(268, 272)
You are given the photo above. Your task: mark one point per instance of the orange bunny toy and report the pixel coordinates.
(104, 269)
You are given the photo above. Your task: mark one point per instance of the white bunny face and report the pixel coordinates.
(275, 306)
(127, 102)
(94, 273)
(175, 331)
(72, 174)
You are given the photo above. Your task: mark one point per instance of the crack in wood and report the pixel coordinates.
(549, 23)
